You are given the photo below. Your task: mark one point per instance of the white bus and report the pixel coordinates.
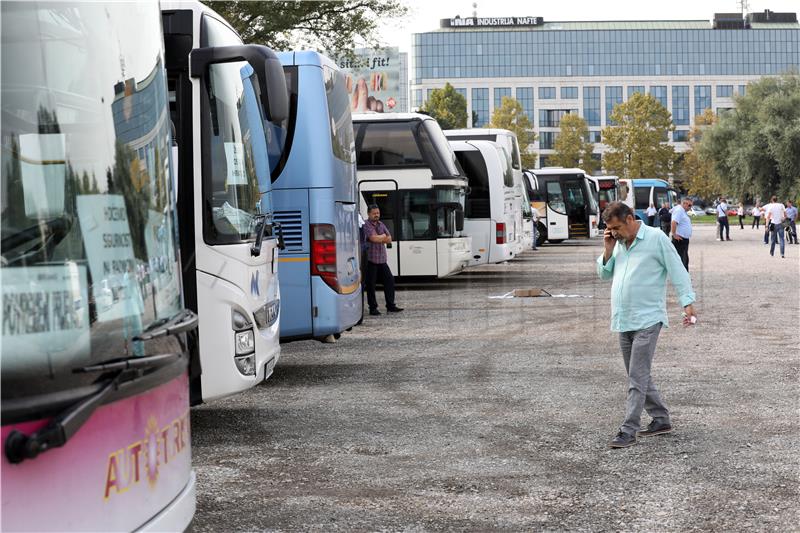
(508, 141)
(407, 168)
(489, 211)
(566, 204)
(221, 92)
(606, 190)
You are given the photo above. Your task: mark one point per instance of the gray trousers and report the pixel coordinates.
(638, 348)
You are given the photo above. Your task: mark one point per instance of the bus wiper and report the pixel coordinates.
(184, 321)
(55, 434)
(130, 363)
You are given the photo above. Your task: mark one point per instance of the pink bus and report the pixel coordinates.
(95, 395)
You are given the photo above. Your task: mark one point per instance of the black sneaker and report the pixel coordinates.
(374, 312)
(655, 428)
(394, 309)
(622, 440)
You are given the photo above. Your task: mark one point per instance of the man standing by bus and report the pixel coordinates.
(378, 237)
(682, 230)
(639, 258)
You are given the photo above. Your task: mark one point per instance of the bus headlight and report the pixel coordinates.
(246, 365)
(245, 342)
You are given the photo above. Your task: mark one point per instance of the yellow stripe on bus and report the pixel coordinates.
(292, 259)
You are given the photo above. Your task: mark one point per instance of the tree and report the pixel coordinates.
(510, 116)
(755, 149)
(697, 173)
(572, 147)
(331, 25)
(637, 141)
(448, 107)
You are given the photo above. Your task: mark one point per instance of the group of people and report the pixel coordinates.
(780, 221)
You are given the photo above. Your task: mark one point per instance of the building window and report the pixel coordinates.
(680, 105)
(591, 105)
(418, 98)
(613, 97)
(659, 92)
(462, 92)
(569, 93)
(551, 118)
(635, 89)
(547, 93)
(724, 91)
(702, 98)
(742, 89)
(680, 136)
(499, 93)
(525, 98)
(547, 139)
(594, 137)
(543, 161)
(480, 107)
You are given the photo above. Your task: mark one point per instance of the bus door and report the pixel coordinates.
(577, 208)
(384, 195)
(557, 221)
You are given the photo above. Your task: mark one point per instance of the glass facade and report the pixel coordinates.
(680, 135)
(635, 89)
(480, 107)
(551, 118)
(659, 49)
(724, 91)
(742, 89)
(547, 139)
(499, 93)
(702, 98)
(569, 93)
(591, 105)
(659, 92)
(613, 97)
(525, 97)
(547, 93)
(680, 105)
(594, 137)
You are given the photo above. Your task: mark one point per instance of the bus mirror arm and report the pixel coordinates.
(261, 226)
(279, 230)
(19, 446)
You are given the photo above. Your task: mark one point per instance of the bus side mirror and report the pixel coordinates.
(271, 78)
(459, 220)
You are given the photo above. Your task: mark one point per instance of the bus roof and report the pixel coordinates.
(550, 171)
(306, 58)
(374, 117)
(649, 181)
(477, 131)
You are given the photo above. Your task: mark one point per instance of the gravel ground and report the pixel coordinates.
(471, 413)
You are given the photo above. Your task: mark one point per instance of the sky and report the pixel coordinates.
(424, 15)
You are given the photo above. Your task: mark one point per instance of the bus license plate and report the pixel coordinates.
(268, 368)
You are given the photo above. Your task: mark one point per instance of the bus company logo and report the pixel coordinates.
(254, 290)
(128, 466)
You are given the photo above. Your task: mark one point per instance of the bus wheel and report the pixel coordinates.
(556, 241)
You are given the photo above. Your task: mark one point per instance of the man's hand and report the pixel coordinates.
(387, 239)
(608, 245)
(677, 237)
(689, 316)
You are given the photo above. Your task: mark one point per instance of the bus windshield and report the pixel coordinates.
(88, 227)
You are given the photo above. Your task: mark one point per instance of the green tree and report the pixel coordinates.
(637, 141)
(572, 148)
(755, 149)
(697, 175)
(332, 25)
(448, 107)
(510, 116)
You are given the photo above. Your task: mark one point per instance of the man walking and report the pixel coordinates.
(791, 216)
(378, 237)
(639, 259)
(776, 213)
(651, 215)
(665, 218)
(722, 218)
(682, 231)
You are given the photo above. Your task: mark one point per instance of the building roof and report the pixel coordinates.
(619, 25)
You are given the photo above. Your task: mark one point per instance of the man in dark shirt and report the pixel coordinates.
(378, 237)
(665, 218)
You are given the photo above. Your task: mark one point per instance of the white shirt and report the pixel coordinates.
(651, 211)
(722, 210)
(740, 211)
(535, 213)
(776, 213)
(756, 212)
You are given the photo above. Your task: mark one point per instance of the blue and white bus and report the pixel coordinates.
(315, 201)
(641, 192)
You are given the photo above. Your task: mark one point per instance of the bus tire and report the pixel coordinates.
(556, 241)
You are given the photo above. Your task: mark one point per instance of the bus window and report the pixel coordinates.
(387, 144)
(516, 162)
(437, 151)
(339, 115)
(641, 197)
(661, 196)
(555, 198)
(416, 222)
(508, 171)
(446, 202)
(477, 204)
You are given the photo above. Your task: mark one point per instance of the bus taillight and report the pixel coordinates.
(323, 254)
(501, 233)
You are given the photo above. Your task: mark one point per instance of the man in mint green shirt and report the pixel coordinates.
(638, 259)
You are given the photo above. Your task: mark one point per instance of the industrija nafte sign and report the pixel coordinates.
(476, 22)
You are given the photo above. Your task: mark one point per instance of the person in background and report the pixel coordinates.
(638, 259)
(722, 217)
(535, 215)
(791, 218)
(756, 212)
(378, 237)
(682, 230)
(740, 213)
(651, 215)
(665, 218)
(776, 213)
(764, 215)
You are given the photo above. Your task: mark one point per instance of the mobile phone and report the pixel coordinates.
(388, 245)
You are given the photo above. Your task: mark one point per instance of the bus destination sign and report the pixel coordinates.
(478, 22)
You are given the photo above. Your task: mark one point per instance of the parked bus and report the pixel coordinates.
(407, 168)
(315, 199)
(508, 141)
(605, 190)
(488, 212)
(567, 208)
(640, 193)
(95, 386)
(221, 94)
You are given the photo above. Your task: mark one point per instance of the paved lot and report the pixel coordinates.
(471, 413)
